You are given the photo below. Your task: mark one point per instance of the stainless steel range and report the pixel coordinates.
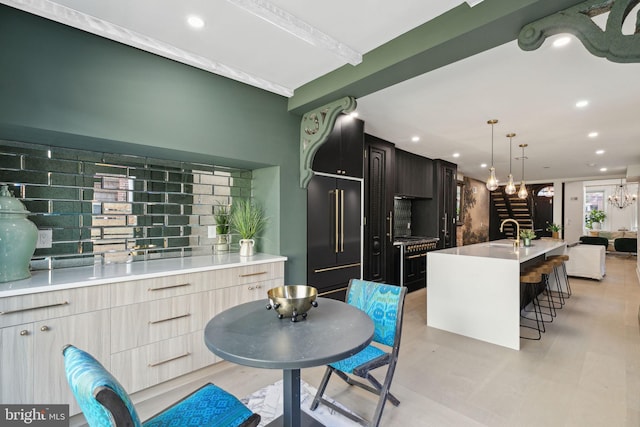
(412, 260)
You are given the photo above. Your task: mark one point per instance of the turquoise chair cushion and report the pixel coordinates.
(380, 302)
(349, 364)
(208, 406)
(85, 374)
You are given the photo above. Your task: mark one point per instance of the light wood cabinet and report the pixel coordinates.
(157, 325)
(144, 331)
(148, 365)
(31, 360)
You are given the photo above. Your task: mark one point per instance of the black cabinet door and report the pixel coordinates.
(342, 153)
(333, 234)
(379, 190)
(414, 175)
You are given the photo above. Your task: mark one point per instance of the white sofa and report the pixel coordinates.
(586, 261)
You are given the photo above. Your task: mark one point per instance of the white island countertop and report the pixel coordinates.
(504, 249)
(98, 274)
(474, 290)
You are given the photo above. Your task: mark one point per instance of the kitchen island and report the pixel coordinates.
(474, 290)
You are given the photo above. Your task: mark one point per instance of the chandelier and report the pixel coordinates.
(621, 197)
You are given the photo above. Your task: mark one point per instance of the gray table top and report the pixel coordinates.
(249, 334)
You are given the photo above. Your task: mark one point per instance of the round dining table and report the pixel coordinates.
(249, 334)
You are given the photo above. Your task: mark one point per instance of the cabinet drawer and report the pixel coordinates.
(140, 324)
(249, 274)
(235, 295)
(152, 364)
(158, 288)
(48, 305)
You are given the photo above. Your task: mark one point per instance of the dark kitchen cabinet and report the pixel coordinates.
(342, 153)
(379, 184)
(334, 213)
(414, 175)
(441, 209)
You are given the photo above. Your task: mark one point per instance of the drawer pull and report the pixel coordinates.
(24, 332)
(153, 322)
(20, 310)
(152, 365)
(169, 287)
(259, 273)
(44, 328)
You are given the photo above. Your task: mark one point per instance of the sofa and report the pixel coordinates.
(611, 236)
(586, 261)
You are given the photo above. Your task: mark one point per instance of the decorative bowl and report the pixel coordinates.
(292, 301)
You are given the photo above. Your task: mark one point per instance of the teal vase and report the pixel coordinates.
(18, 238)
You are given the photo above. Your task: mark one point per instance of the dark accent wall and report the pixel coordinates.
(64, 87)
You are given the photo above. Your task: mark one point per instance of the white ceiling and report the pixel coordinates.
(530, 93)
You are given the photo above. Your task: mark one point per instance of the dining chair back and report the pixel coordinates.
(104, 402)
(385, 306)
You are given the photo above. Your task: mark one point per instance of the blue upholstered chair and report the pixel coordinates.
(105, 403)
(385, 305)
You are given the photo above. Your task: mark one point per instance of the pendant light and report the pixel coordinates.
(510, 188)
(522, 193)
(492, 182)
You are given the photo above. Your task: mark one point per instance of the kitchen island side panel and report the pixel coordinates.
(477, 297)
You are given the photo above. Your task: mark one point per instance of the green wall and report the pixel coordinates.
(65, 87)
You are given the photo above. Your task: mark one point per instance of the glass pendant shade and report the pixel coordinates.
(492, 182)
(522, 193)
(510, 188)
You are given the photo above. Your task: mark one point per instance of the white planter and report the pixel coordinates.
(246, 247)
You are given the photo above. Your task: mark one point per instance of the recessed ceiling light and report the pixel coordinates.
(195, 21)
(415, 139)
(456, 155)
(592, 134)
(582, 103)
(562, 41)
(484, 165)
(599, 151)
(353, 114)
(603, 169)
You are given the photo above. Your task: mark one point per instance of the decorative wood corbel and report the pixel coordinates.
(577, 20)
(315, 127)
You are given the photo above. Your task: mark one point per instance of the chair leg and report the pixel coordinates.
(321, 389)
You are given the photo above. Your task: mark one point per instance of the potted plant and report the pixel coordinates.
(221, 216)
(554, 229)
(247, 219)
(594, 219)
(527, 235)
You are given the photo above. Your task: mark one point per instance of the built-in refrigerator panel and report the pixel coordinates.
(334, 234)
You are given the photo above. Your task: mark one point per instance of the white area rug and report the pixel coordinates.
(268, 403)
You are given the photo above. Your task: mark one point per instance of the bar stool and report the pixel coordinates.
(557, 263)
(530, 280)
(564, 259)
(546, 269)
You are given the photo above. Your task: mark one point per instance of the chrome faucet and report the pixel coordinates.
(516, 243)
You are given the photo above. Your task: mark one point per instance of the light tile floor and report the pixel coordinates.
(584, 372)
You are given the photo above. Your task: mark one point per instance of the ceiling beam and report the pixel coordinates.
(457, 34)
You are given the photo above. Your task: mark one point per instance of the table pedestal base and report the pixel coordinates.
(306, 421)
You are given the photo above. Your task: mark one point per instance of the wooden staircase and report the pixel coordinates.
(511, 206)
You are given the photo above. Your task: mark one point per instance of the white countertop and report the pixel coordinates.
(98, 274)
(503, 249)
